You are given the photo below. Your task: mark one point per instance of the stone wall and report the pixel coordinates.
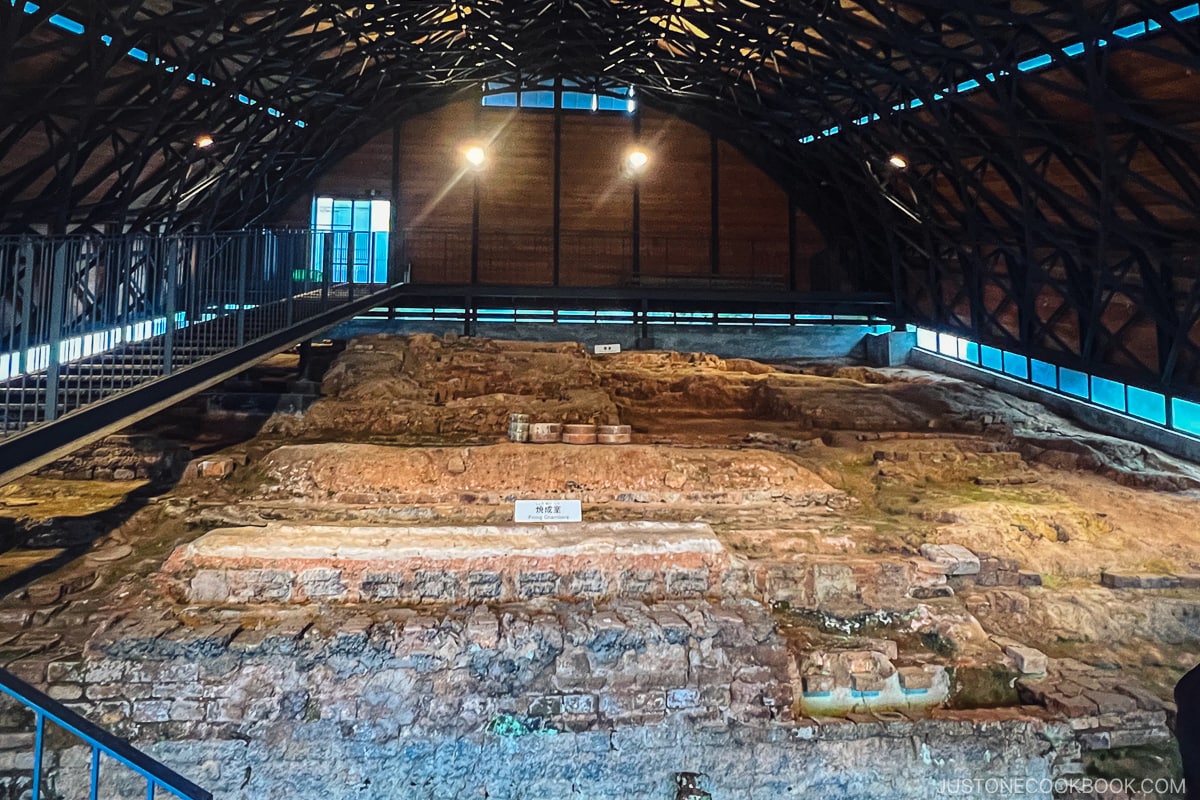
(123, 457)
(560, 700)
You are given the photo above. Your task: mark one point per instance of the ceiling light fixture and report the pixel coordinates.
(636, 160)
(476, 156)
(204, 141)
(898, 161)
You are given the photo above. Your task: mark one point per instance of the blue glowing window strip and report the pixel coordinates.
(991, 357)
(1016, 365)
(503, 100)
(537, 99)
(1125, 32)
(1186, 416)
(1043, 374)
(1132, 401)
(67, 24)
(1035, 63)
(78, 28)
(1109, 394)
(1074, 383)
(1147, 405)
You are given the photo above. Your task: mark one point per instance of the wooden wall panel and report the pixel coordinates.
(516, 190)
(436, 193)
(436, 196)
(597, 200)
(676, 211)
(754, 222)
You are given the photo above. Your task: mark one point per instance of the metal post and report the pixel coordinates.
(350, 237)
(58, 299)
(326, 268)
(172, 266)
(243, 268)
(38, 741)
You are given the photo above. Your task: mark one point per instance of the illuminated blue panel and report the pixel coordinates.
(948, 345)
(1147, 405)
(577, 100)
(968, 351)
(504, 100)
(1037, 62)
(991, 357)
(1109, 394)
(1073, 382)
(1043, 374)
(1185, 416)
(1187, 12)
(607, 103)
(967, 86)
(66, 23)
(537, 99)
(1074, 50)
(1131, 31)
(1015, 365)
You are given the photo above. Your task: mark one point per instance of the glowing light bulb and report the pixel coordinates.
(475, 156)
(637, 160)
(898, 161)
(204, 141)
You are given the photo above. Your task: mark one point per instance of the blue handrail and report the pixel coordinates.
(157, 774)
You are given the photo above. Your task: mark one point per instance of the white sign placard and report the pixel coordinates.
(603, 349)
(548, 511)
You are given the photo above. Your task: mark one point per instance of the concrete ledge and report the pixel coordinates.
(302, 563)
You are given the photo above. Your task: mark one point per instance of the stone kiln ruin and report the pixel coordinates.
(795, 581)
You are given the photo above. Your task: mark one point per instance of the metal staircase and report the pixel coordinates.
(96, 333)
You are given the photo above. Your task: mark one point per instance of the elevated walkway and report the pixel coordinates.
(100, 333)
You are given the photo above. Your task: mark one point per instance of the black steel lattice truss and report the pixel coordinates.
(1050, 210)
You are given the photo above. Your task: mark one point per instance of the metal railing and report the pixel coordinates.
(45, 710)
(85, 317)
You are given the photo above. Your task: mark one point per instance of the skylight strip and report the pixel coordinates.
(1039, 62)
(77, 28)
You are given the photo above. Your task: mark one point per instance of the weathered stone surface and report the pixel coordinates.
(957, 559)
(1028, 660)
(282, 563)
(1127, 580)
(382, 474)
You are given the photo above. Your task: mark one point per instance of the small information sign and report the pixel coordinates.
(548, 511)
(605, 349)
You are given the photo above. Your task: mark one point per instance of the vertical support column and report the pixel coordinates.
(557, 181)
(637, 200)
(326, 267)
(58, 301)
(793, 243)
(350, 240)
(714, 194)
(475, 200)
